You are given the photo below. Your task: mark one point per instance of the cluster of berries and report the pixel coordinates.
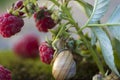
(12, 22)
(28, 46)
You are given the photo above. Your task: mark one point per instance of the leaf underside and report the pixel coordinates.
(100, 7)
(106, 48)
(99, 10)
(115, 18)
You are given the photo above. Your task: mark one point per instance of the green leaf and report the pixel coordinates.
(115, 30)
(117, 47)
(106, 48)
(115, 18)
(93, 38)
(117, 60)
(100, 7)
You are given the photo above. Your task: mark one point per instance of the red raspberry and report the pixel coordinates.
(45, 24)
(43, 20)
(5, 74)
(10, 25)
(27, 47)
(46, 52)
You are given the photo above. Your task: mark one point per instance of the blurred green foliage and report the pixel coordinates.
(34, 69)
(4, 4)
(25, 69)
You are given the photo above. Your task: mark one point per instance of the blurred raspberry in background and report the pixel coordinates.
(27, 46)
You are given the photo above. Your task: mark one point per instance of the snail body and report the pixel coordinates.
(64, 66)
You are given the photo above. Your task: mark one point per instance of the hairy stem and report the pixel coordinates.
(94, 54)
(79, 32)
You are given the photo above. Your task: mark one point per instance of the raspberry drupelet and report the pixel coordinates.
(5, 74)
(46, 52)
(10, 25)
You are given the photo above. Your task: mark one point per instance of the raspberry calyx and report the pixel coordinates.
(44, 20)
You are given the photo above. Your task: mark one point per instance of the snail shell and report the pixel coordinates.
(64, 66)
(112, 76)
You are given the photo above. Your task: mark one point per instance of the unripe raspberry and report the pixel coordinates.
(43, 20)
(46, 52)
(21, 14)
(27, 47)
(4, 74)
(10, 25)
(18, 4)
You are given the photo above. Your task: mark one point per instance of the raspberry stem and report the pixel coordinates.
(93, 52)
(62, 28)
(55, 2)
(99, 25)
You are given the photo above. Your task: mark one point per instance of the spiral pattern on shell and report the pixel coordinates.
(64, 66)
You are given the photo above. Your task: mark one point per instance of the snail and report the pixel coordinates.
(64, 67)
(111, 76)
